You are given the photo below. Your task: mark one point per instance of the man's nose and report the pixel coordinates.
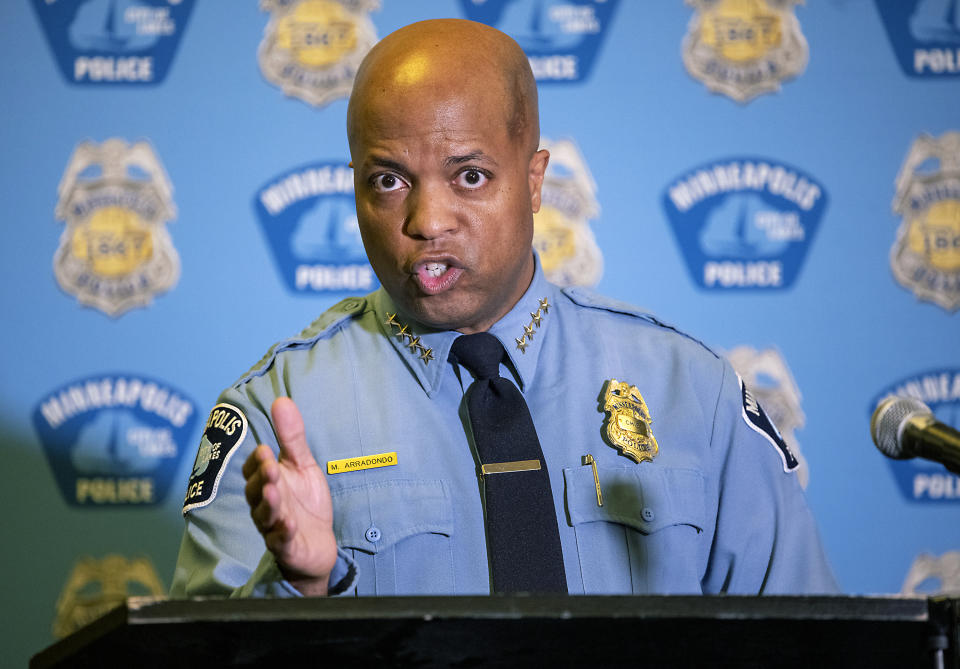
(432, 212)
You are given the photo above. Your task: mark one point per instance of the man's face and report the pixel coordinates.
(445, 201)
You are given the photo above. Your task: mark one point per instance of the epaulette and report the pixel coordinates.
(324, 326)
(591, 300)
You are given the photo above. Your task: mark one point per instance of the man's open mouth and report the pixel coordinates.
(435, 277)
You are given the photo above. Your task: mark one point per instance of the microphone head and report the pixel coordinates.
(888, 421)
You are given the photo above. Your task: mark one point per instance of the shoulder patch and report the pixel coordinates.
(226, 428)
(588, 298)
(756, 419)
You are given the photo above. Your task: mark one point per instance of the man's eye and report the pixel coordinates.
(384, 183)
(471, 179)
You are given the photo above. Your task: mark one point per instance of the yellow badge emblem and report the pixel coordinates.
(743, 48)
(562, 236)
(116, 200)
(312, 48)
(95, 587)
(926, 255)
(628, 421)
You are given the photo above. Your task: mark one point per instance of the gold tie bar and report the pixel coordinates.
(507, 467)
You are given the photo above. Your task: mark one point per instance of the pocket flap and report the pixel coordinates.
(644, 497)
(374, 517)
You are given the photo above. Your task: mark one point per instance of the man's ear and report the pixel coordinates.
(538, 168)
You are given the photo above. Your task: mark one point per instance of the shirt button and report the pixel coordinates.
(372, 534)
(350, 303)
(647, 514)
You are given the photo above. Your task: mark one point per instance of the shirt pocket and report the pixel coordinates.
(399, 533)
(648, 535)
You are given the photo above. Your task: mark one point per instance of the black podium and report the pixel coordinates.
(780, 632)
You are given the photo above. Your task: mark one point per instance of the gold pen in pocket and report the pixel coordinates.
(588, 460)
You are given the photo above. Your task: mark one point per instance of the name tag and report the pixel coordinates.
(363, 462)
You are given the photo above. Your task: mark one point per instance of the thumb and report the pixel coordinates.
(288, 424)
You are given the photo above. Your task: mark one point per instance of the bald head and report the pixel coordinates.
(448, 59)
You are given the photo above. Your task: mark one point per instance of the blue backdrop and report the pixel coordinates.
(780, 180)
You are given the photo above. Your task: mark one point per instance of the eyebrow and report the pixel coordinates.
(450, 161)
(468, 158)
(389, 164)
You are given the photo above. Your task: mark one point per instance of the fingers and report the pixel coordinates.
(278, 537)
(259, 469)
(267, 516)
(251, 464)
(288, 424)
(262, 473)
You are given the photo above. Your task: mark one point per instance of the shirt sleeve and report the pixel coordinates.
(766, 540)
(222, 553)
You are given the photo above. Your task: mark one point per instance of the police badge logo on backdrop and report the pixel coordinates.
(309, 218)
(921, 480)
(113, 42)
(743, 48)
(562, 236)
(115, 253)
(312, 49)
(925, 36)
(766, 374)
(925, 257)
(560, 37)
(744, 223)
(94, 587)
(931, 575)
(115, 439)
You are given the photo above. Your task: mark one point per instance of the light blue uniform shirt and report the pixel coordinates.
(714, 511)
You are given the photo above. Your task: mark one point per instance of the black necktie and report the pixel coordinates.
(522, 537)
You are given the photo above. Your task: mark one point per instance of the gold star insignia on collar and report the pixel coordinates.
(536, 317)
(413, 341)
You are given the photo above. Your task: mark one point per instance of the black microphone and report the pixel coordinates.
(903, 427)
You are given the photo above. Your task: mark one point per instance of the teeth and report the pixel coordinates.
(435, 268)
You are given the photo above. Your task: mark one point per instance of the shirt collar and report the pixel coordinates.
(425, 350)
(523, 329)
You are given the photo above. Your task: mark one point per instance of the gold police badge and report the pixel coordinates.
(312, 49)
(94, 587)
(925, 257)
(562, 236)
(628, 421)
(743, 48)
(115, 253)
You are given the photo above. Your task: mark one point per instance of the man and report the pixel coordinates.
(660, 473)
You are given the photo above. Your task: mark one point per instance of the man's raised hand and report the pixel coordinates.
(290, 503)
